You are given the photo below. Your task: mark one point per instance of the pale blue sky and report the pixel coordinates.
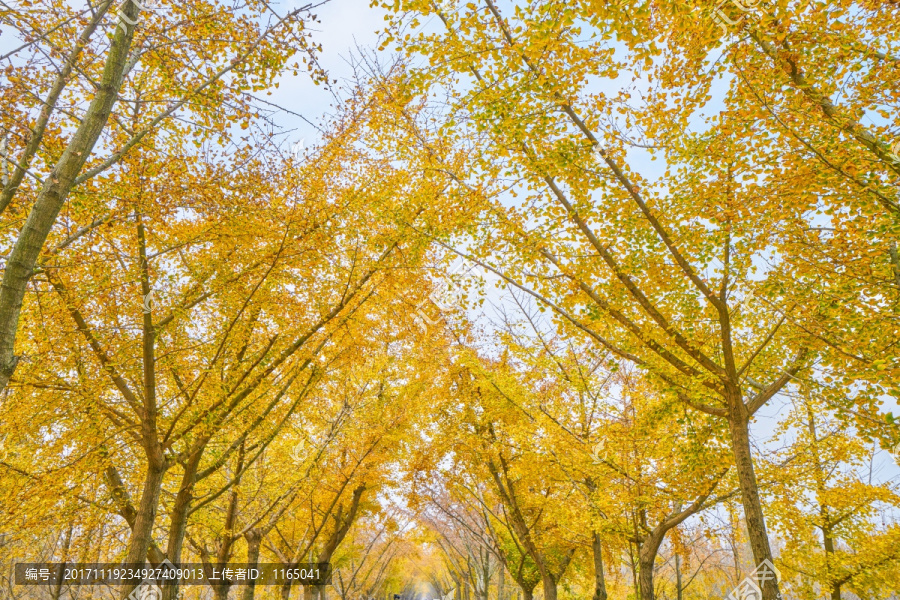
(345, 24)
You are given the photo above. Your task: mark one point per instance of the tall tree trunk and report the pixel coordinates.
(650, 543)
(59, 182)
(549, 585)
(179, 518)
(599, 576)
(679, 591)
(824, 513)
(646, 560)
(310, 592)
(144, 520)
(127, 511)
(342, 526)
(501, 581)
(220, 592)
(254, 539)
(739, 425)
(286, 589)
(227, 538)
(828, 543)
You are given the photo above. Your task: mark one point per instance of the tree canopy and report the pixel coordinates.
(565, 300)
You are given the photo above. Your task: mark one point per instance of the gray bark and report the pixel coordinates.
(53, 194)
(739, 425)
(254, 539)
(142, 531)
(599, 577)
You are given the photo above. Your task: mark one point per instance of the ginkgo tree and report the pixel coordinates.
(674, 369)
(691, 273)
(825, 500)
(108, 77)
(173, 358)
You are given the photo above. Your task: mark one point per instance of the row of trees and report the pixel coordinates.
(754, 272)
(551, 475)
(212, 360)
(212, 350)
